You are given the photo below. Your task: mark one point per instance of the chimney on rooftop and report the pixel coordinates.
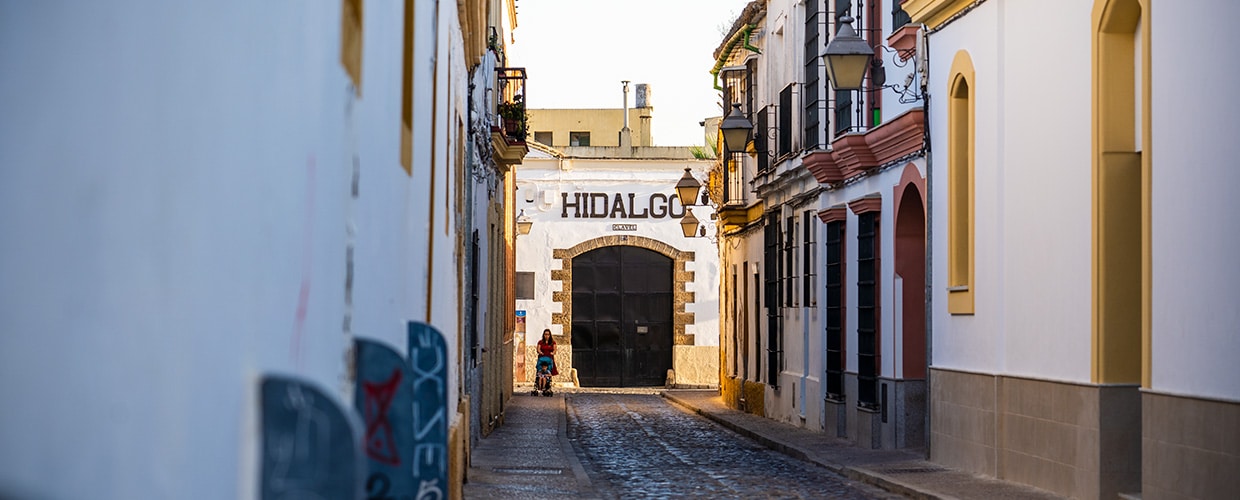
(626, 135)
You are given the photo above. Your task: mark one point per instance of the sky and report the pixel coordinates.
(576, 52)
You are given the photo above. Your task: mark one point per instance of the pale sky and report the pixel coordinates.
(576, 52)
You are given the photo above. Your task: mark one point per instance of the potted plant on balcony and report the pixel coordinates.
(512, 114)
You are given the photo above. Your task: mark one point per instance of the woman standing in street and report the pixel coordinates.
(546, 351)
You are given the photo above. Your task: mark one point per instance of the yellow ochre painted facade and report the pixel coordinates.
(603, 125)
(1121, 203)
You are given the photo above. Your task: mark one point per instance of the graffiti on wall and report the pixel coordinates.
(310, 444)
(383, 395)
(428, 356)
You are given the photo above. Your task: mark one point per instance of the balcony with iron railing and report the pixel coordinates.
(511, 123)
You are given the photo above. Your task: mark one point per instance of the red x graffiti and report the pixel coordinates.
(380, 444)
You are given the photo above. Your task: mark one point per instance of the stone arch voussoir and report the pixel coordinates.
(680, 276)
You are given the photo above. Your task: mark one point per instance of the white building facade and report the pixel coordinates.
(607, 268)
(201, 198)
(823, 228)
(1083, 279)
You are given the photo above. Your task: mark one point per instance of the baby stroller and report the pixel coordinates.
(542, 382)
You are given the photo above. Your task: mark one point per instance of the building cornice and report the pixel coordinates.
(507, 153)
(835, 213)
(872, 202)
(854, 154)
(934, 13)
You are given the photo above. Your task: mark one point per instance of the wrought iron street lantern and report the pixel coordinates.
(736, 129)
(524, 223)
(689, 224)
(847, 57)
(687, 188)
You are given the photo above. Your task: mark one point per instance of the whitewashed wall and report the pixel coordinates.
(446, 262)
(1032, 192)
(896, 70)
(1040, 190)
(747, 250)
(549, 177)
(384, 243)
(176, 184)
(1196, 235)
(885, 185)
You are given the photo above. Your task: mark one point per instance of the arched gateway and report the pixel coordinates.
(624, 305)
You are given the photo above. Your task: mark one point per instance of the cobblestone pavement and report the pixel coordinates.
(640, 446)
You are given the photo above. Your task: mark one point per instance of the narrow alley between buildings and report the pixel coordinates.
(636, 444)
(968, 249)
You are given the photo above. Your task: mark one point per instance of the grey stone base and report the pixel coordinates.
(904, 425)
(1190, 447)
(1076, 440)
(869, 427)
(836, 418)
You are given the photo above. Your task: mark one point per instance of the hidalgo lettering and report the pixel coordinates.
(594, 204)
(576, 204)
(633, 213)
(608, 206)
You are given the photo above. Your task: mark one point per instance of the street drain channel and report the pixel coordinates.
(535, 471)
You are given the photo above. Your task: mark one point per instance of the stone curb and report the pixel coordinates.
(584, 485)
(853, 473)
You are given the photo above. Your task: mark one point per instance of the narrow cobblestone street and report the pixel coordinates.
(641, 446)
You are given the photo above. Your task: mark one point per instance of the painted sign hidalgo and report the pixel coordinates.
(383, 396)
(605, 206)
(428, 357)
(310, 443)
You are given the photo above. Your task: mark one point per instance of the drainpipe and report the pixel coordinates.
(929, 291)
(741, 37)
(804, 358)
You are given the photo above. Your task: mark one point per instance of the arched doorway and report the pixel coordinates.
(622, 328)
(910, 301)
(911, 270)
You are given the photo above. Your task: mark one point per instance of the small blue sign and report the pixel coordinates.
(520, 313)
(428, 357)
(383, 395)
(310, 446)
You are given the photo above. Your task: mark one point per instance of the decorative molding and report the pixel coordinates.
(740, 217)
(507, 153)
(872, 202)
(961, 155)
(898, 137)
(904, 41)
(911, 176)
(822, 165)
(932, 13)
(733, 216)
(838, 212)
(854, 154)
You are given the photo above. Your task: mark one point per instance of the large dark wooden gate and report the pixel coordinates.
(622, 317)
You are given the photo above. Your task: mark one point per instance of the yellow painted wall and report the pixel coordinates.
(1121, 192)
(731, 389)
(755, 398)
(603, 125)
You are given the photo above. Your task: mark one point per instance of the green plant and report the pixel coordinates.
(513, 114)
(699, 152)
